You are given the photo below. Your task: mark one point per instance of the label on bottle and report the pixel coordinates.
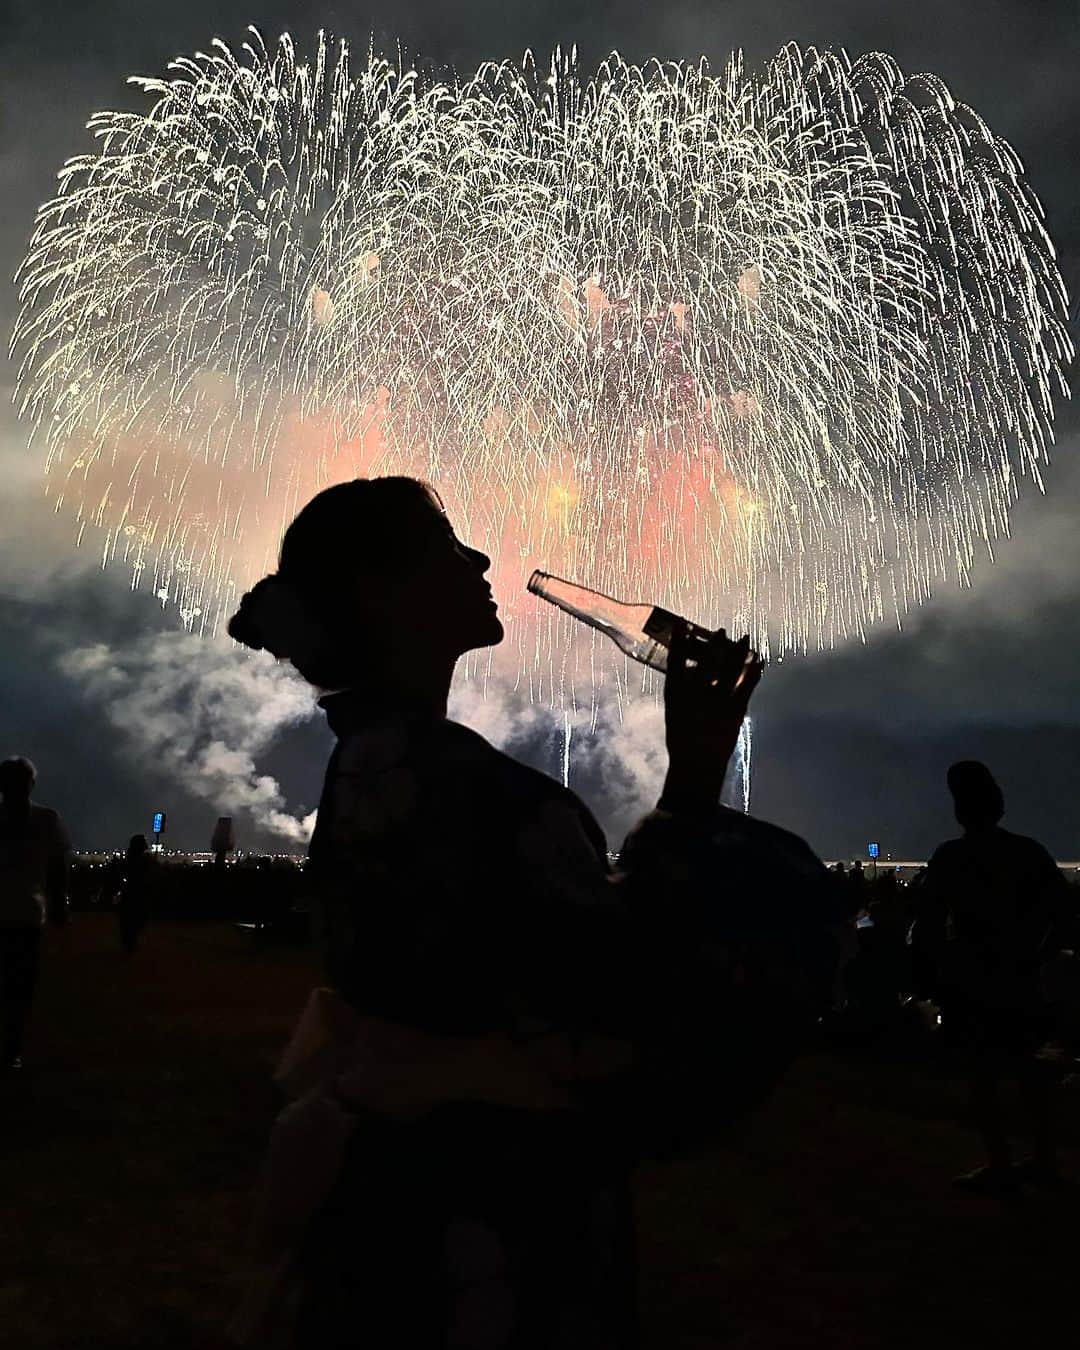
(660, 625)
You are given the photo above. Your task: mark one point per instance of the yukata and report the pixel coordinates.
(469, 924)
(510, 1024)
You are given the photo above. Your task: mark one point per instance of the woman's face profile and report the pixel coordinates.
(447, 592)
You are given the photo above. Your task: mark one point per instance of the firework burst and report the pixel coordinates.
(773, 346)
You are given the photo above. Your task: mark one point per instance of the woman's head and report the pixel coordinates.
(370, 577)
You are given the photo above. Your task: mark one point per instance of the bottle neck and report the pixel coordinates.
(599, 611)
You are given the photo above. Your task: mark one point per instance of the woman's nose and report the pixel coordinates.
(482, 561)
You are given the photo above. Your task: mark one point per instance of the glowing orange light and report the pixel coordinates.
(596, 300)
(322, 306)
(749, 283)
(743, 404)
(561, 500)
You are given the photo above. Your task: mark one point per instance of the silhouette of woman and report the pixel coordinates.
(485, 959)
(133, 895)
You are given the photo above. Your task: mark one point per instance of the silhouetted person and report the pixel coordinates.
(34, 853)
(223, 841)
(135, 892)
(993, 908)
(890, 909)
(483, 969)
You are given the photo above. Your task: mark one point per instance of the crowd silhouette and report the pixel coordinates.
(509, 1023)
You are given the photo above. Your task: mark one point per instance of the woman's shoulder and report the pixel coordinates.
(442, 748)
(463, 749)
(448, 763)
(518, 787)
(554, 832)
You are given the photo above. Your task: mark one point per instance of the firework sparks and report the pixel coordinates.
(773, 347)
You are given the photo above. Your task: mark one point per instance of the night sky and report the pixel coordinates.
(850, 745)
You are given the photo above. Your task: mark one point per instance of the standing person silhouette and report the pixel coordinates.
(993, 908)
(34, 851)
(133, 895)
(481, 952)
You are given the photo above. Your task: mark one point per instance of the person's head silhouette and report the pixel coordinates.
(373, 590)
(137, 845)
(17, 779)
(977, 799)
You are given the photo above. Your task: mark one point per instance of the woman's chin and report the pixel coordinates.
(490, 636)
(485, 630)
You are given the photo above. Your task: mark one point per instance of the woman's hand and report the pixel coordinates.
(706, 694)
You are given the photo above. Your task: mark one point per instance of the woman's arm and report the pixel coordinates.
(705, 703)
(592, 926)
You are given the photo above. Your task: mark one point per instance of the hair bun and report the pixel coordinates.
(271, 618)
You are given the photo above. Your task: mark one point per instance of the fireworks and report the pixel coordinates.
(772, 347)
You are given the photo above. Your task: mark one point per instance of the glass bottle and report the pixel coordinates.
(641, 631)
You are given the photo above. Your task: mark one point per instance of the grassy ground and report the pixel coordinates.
(129, 1148)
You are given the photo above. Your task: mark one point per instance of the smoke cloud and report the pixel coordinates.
(617, 755)
(203, 711)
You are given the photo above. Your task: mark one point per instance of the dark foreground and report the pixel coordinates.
(129, 1148)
